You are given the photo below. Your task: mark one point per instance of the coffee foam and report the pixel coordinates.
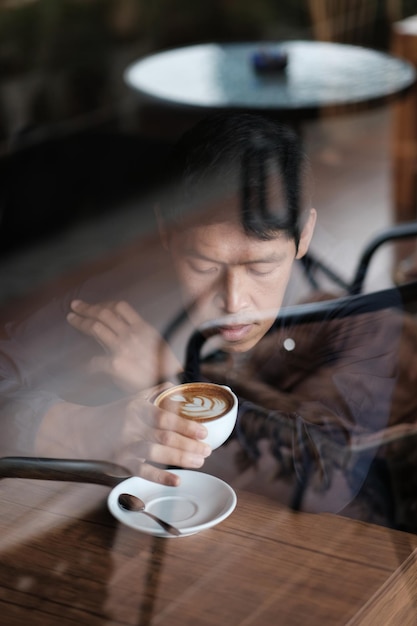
(197, 402)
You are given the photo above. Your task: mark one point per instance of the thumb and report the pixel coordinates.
(151, 394)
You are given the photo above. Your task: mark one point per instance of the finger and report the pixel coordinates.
(157, 475)
(149, 472)
(114, 313)
(112, 320)
(104, 312)
(170, 432)
(151, 394)
(163, 455)
(159, 444)
(156, 419)
(127, 313)
(94, 328)
(86, 308)
(166, 445)
(166, 422)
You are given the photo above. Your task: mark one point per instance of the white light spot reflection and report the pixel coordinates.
(289, 344)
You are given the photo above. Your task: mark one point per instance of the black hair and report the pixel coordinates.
(240, 151)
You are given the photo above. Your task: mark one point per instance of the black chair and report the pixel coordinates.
(313, 266)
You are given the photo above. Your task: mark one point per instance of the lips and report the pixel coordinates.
(236, 332)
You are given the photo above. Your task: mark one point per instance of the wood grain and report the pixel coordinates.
(395, 602)
(65, 560)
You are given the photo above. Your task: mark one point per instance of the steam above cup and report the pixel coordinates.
(210, 404)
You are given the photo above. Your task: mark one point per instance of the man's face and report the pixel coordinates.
(236, 282)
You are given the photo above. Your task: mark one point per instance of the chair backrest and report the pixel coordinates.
(392, 234)
(314, 266)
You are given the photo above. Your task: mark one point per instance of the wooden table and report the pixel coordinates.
(320, 76)
(66, 561)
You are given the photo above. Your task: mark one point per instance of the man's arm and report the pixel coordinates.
(35, 420)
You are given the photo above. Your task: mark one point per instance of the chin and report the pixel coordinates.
(236, 348)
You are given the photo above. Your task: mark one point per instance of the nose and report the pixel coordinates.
(232, 292)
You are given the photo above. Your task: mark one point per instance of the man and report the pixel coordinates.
(234, 215)
(232, 261)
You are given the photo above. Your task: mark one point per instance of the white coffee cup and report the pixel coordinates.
(210, 404)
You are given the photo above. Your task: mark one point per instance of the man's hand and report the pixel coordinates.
(136, 355)
(152, 435)
(132, 432)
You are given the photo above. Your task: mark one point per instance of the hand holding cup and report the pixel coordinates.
(210, 404)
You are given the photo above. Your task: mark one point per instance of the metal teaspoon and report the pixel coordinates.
(129, 502)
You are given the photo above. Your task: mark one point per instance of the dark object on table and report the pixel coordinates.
(270, 61)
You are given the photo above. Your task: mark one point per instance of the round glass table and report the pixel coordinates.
(317, 75)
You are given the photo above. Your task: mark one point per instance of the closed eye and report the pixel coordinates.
(261, 269)
(202, 268)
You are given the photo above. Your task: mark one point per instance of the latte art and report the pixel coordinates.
(199, 407)
(196, 401)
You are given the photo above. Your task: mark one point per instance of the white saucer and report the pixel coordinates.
(199, 502)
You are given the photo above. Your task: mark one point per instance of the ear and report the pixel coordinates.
(163, 233)
(307, 234)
